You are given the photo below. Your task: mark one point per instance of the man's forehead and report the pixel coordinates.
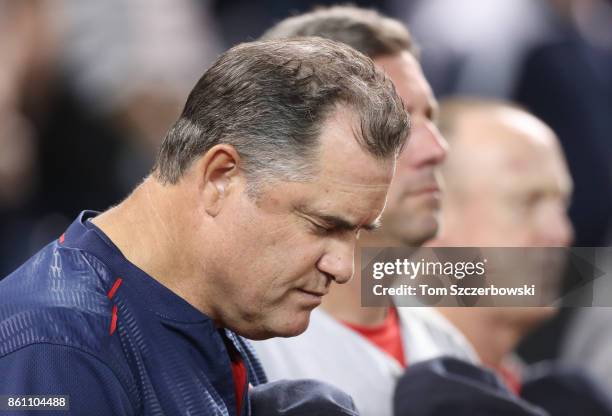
(343, 162)
(504, 139)
(351, 185)
(510, 164)
(407, 75)
(534, 173)
(338, 190)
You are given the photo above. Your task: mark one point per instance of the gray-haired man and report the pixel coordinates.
(284, 151)
(365, 350)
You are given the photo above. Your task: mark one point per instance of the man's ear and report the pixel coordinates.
(218, 173)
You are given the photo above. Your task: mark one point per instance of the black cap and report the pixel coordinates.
(564, 391)
(300, 398)
(447, 386)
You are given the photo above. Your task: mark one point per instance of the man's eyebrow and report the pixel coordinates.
(340, 223)
(373, 225)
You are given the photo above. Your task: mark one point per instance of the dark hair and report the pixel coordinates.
(366, 30)
(269, 99)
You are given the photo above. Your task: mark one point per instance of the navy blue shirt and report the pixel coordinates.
(79, 319)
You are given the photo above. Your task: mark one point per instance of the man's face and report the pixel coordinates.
(508, 186)
(516, 186)
(411, 214)
(285, 249)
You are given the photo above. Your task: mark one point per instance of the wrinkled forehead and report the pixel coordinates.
(533, 166)
(506, 151)
(343, 161)
(361, 171)
(349, 181)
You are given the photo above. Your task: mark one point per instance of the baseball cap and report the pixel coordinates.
(448, 386)
(300, 398)
(565, 391)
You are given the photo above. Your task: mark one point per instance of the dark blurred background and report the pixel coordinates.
(88, 89)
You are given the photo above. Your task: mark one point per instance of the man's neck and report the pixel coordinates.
(492, 340)
(146, 229)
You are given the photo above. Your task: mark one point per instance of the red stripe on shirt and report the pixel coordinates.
(113, 289)
(113, 325)
(240, 378)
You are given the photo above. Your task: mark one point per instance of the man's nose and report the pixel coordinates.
(338, 262)
(437, 145)
(558, 232)
(426, 146)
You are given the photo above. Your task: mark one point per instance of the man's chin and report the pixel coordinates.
(296, 328)
(416, 232)
(530, 318)
(284, 329)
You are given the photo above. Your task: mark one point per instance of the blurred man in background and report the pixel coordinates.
(251, 212)
(506, 185)
(377, 342)
(553, 57)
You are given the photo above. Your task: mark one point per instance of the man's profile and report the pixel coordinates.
(377, 340)
(507, 185)
(284, 151)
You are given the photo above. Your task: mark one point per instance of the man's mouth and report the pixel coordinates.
(427, 190)
(430, 190)
(318, 293)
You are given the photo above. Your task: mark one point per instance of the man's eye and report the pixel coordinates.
(533, 198)
(321, 229)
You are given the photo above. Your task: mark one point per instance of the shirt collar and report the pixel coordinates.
(82, 234)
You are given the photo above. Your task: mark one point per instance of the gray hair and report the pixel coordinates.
(269, 99)
(366, 30)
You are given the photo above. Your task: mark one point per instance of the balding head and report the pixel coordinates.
(507, 183)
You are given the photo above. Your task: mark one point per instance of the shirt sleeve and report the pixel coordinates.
(48, 369)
